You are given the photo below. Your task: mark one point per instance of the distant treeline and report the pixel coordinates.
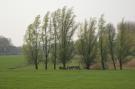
(7, 48)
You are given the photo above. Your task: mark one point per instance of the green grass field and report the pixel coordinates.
(25, 77)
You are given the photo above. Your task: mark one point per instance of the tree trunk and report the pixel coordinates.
(102, 59)
(121, 66)
(36, 64)
(101, 52)
(46, 62)
(54, 66)
(64, 65)
(112, 55)
(113, 60)
(114, 64)
(36, 59)
(103, 64)
(88, 66)
(55, 58)
(55, 62)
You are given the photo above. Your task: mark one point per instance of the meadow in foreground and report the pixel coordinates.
(28, 78)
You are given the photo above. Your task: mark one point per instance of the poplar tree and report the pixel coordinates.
(66, 29)
(31, 42)
(88, 42)
(111, 42)
(102, 41)
(45, 39)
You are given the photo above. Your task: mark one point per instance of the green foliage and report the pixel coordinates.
(31, 42)
(54, 46)
(52, 40)
(66, 28)
(45, 39)
(87, 43)
(103, 42)
(111, 43)
(124, 43)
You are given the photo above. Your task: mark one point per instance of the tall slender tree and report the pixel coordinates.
(66, 29)
(124, 43)
(55, 40)
(87, 42)
(31, 43)
(111, 42)
(102, 41)
(45, 38)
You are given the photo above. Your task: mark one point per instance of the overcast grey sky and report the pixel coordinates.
(16, 15)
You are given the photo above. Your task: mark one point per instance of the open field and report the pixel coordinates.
(14, 75)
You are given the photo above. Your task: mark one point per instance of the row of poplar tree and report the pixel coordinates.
(96, 40)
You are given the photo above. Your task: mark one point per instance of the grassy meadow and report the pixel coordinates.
(15, 74)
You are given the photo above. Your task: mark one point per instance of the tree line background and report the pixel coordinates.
(7, 48)
(52, 39)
